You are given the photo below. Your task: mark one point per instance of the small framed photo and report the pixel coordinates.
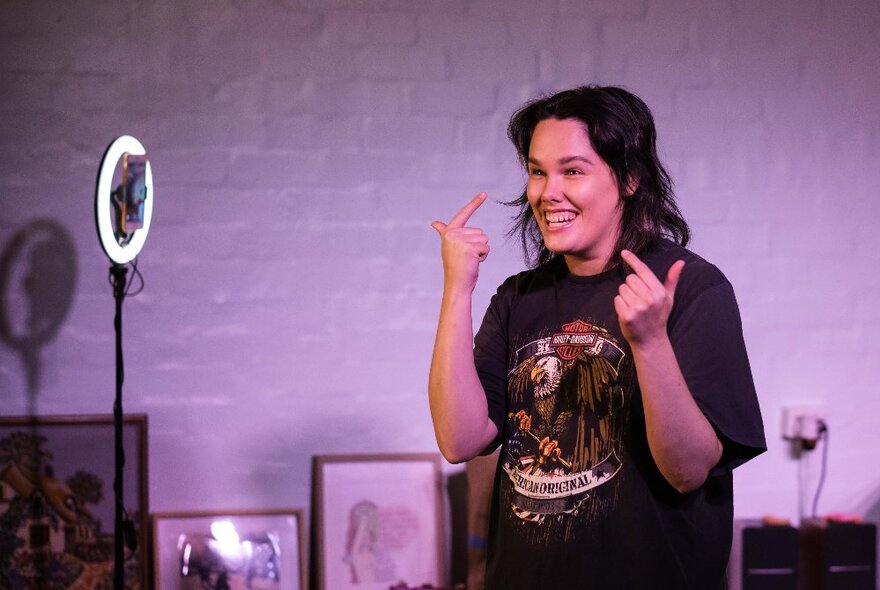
(378, 520)
(58, 505)
(234, 549)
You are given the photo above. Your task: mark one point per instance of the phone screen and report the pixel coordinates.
(134, 171)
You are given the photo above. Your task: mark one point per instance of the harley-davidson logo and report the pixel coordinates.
(573, 339)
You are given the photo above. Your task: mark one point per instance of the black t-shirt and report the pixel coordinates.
(578, 500)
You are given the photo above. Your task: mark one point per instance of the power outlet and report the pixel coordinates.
(801, 421)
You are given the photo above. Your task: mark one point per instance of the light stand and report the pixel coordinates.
(122, 236)
(118, 271)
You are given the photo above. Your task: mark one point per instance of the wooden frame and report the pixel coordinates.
(378, 520)
(57, 500)
(207, 550)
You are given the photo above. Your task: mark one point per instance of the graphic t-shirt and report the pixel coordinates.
(578, 499)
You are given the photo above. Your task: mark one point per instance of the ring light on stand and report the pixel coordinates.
(120, 247)
(122, 216)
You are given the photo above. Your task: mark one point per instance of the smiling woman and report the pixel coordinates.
(620, 131)
(613, 374)
(573, 195)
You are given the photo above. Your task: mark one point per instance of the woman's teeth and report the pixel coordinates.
(559, 218)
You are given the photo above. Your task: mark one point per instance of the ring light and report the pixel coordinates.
(121, 253)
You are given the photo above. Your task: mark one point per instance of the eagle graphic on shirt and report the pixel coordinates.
(564, 424)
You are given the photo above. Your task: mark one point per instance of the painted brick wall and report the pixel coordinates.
(301, 149)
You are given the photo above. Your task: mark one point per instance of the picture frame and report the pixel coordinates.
(209, 550)
(58, 504)
(377, 521)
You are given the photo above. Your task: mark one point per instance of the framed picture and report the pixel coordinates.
(58, 505)
(259, 549)
(378, 520)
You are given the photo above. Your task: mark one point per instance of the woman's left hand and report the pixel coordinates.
(643, 303)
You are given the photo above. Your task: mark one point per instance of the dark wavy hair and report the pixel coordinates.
(621, 130)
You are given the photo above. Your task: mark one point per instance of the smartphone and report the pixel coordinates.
(134, 189)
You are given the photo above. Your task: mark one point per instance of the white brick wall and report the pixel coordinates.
(301, 150)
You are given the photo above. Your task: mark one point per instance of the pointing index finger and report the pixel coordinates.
(462, 216)
(640, 268)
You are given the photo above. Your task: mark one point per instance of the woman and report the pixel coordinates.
(613, 374)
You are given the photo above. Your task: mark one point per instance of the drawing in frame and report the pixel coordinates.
(210, 550)
(58, 505)
(377, 520)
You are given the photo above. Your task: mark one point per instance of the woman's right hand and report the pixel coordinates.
(462, 248)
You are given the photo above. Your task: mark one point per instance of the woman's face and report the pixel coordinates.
(574, 195)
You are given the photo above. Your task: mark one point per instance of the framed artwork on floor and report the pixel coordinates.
(58, 505)
(217, 550)
(377, 521)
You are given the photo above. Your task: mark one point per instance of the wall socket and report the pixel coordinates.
(802, 421)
